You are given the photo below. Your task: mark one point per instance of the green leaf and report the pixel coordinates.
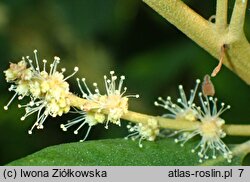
(119, 152)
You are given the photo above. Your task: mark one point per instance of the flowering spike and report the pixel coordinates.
(47, 91)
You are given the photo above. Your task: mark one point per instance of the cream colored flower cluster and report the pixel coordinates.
(211, 125)
(144, 131)
(47, 91)
(114, 103)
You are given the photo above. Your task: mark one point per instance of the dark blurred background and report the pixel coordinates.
(98, 36)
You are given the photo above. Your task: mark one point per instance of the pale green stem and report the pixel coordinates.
(242, 148)
(234, 130)
(238, 18)
(237, 130)
(221, 15)
(211, 36)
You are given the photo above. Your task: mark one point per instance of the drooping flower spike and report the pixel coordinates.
(185, 110)
(142, 131)
(48, 91)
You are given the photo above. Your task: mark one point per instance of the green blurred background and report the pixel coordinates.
(98, 36)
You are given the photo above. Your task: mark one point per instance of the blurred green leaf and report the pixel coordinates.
(107, 17)
(119, 152)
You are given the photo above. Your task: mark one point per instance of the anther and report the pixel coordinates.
(76, 69)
